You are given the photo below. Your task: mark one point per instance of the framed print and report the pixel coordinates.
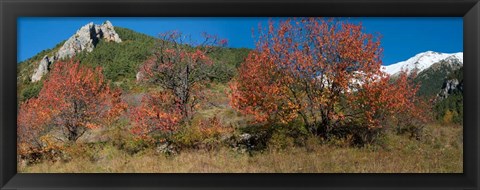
(229, 94)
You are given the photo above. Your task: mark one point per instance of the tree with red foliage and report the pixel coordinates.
(73, 99)
(31, 121)
(316, 69)
(157, 112)
(178, 65)
(385, 99)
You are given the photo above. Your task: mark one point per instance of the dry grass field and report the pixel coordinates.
(439, 151)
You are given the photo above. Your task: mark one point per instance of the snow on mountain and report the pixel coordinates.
(422, 61)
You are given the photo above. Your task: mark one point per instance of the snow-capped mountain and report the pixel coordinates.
(423, 61)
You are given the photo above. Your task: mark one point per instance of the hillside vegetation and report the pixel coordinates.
(121, 61)
(449, 109)
(169, 105)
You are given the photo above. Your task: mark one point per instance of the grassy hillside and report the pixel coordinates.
(120, 61)
(227, 61)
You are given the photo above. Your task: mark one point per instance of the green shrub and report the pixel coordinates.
(355, 135)
(31, 91)
(450, 109)
(204, 134)
(123, 139)
(135, 145)
(287, 135)
(280, 140)
(86, 151)
(187, 136)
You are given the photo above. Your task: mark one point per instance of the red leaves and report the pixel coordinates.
(256, 90)
(181, 68)
(32, 116)
(323, 70)
(73, 99)
(157, 112)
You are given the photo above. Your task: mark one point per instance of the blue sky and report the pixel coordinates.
(402, 38)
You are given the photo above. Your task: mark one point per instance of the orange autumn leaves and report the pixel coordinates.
(73, 99)
(384, 100)
(179, 67)
(157, 112)
(77, 98)
(325, 72)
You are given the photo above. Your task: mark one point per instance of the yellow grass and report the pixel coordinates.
(440, 151)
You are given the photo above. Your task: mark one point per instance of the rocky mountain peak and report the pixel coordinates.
(85, 39)
(423, 61)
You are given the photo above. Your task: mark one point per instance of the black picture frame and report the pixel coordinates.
(10, 10)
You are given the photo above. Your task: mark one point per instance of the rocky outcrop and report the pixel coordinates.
(42, 69)
(139, 76)
(109, 33)
(85, 39)
(167, 149)
(449, 87)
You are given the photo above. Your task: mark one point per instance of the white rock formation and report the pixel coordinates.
(85, 39)
(109, 33)
(42, 68)
(139, 76)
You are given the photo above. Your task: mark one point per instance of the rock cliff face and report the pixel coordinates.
(85, 39)
(449, 87)
(108, 32)
(42, 69)
(432, 79)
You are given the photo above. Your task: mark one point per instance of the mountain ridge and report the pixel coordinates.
(422, 61)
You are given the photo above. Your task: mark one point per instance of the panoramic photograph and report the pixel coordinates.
(239, 95)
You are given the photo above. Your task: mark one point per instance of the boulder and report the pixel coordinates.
(166, 148)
